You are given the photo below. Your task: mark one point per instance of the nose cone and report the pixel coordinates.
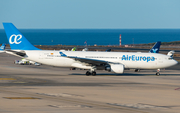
(174, 62)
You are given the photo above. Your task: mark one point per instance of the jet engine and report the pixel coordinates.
(116, 68)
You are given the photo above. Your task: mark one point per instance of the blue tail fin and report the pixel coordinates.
(3, 46)
(155, 48)
(16, 39)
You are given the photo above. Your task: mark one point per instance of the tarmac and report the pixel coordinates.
(47, 89)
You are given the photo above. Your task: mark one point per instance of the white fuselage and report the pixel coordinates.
(131, 60)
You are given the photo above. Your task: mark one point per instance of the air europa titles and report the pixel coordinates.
(138, 58)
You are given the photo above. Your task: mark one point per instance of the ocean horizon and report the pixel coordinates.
(95, 36)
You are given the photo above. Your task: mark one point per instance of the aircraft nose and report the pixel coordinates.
(175, 62)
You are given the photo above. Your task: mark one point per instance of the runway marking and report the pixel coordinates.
(60, 94)
(21, 98)
(177, 88)
(93, 104)
(70, 106)
(136, 105)
(7, 79)
(20, 82)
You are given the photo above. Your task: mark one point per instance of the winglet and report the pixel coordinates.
(62, 54)
(155, 48)
(16, 39)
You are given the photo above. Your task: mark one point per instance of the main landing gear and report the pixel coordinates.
(158, 72)
(137, 70)
(93, 73)
(88, 73)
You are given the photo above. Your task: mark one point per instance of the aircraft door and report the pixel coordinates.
(160, 60)
(41, 55)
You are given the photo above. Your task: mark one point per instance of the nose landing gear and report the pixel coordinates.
(158, 72)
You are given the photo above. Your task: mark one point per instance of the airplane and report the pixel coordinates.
(85, 49)
(3, 46)
(73, 49)
(115, 62)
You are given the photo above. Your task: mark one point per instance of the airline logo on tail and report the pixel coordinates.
(2, 47)
(16, 39)
(154, 50)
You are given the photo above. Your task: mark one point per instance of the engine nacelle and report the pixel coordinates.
(116, 68)
(108, 68)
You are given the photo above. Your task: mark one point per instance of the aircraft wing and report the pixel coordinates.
(88, 60)
(91, 61)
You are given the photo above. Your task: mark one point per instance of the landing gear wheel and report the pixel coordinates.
(88, 73)
(94, 73)
(157, 73)
(137, 70)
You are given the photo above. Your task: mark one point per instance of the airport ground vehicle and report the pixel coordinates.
(25, 62)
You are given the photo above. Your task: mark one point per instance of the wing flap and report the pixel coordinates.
(91, 61)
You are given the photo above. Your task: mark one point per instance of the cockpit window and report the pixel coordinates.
(170, 58)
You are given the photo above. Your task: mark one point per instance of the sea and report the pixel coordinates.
(96, 36)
